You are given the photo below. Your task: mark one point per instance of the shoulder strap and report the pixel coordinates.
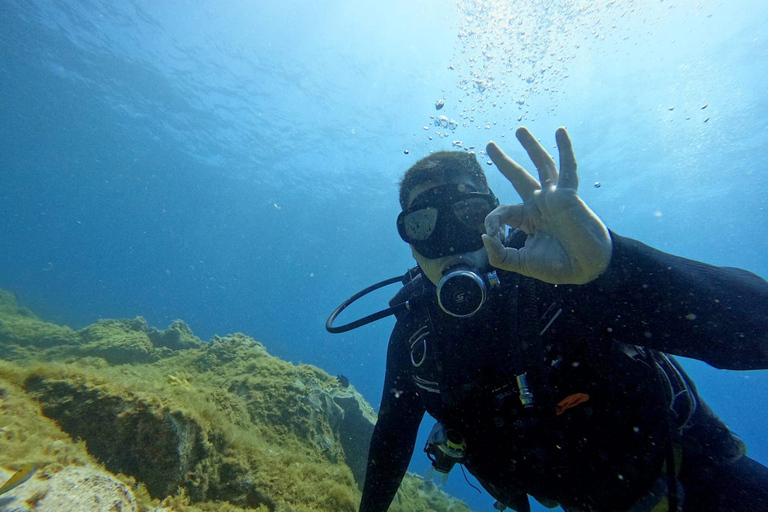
(532, 350)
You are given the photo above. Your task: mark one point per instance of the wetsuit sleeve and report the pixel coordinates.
(395, 433)
(649, 298)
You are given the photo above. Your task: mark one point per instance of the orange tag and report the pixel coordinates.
(571, 401)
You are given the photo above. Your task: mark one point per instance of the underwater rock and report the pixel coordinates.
(355, 430)
(178, 336)
(415, 493)
(165, 449)
(133, 341)
(70, 489)
(221, 425)
(20, 327)
(323, 409)
(116, 341)
(156, 446)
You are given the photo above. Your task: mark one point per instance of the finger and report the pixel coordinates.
(541, 159)
(495, 249)
(569, 178)
(524, 183)
(493, 224)
(501, 257)
(509, 214)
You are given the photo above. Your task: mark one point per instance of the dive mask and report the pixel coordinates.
(446, 220)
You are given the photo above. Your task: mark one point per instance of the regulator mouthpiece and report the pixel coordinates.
(462, 292)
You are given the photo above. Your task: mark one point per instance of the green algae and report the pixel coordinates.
(19, 327)
(191, 426)
(26, 435)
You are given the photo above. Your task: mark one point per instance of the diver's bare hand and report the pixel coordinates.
(567, 243)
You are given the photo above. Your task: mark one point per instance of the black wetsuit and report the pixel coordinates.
(605, 450)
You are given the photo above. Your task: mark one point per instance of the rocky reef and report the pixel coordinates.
(122, 416)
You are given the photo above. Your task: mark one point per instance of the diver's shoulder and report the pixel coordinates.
(411, 289)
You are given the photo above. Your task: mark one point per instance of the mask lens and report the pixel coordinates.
(418, 225)
(472, 212)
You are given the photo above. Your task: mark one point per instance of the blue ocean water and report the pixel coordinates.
(235, 164)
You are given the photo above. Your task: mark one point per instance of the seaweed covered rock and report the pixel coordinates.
(178, 336)
(116, 341)
(419, 495)
(195, 426)
(19, 327)
(355, 430)
(72, 489)
(67, 479)
(133, 341)
(293, 400)
(163, 448)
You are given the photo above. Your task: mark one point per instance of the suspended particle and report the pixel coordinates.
(406, 151)
(597, 184)
(439, 104)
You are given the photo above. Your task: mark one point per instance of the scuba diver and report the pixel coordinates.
(544, 352)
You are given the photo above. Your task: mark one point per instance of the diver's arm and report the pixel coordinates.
(649, 298)
(395, 433)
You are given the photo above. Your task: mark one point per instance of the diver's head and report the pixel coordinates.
(445, 198)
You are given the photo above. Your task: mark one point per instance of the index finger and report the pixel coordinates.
(524, 183)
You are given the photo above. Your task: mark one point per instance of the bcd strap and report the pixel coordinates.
(658, 497)
(673, 497)
(532, 348)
